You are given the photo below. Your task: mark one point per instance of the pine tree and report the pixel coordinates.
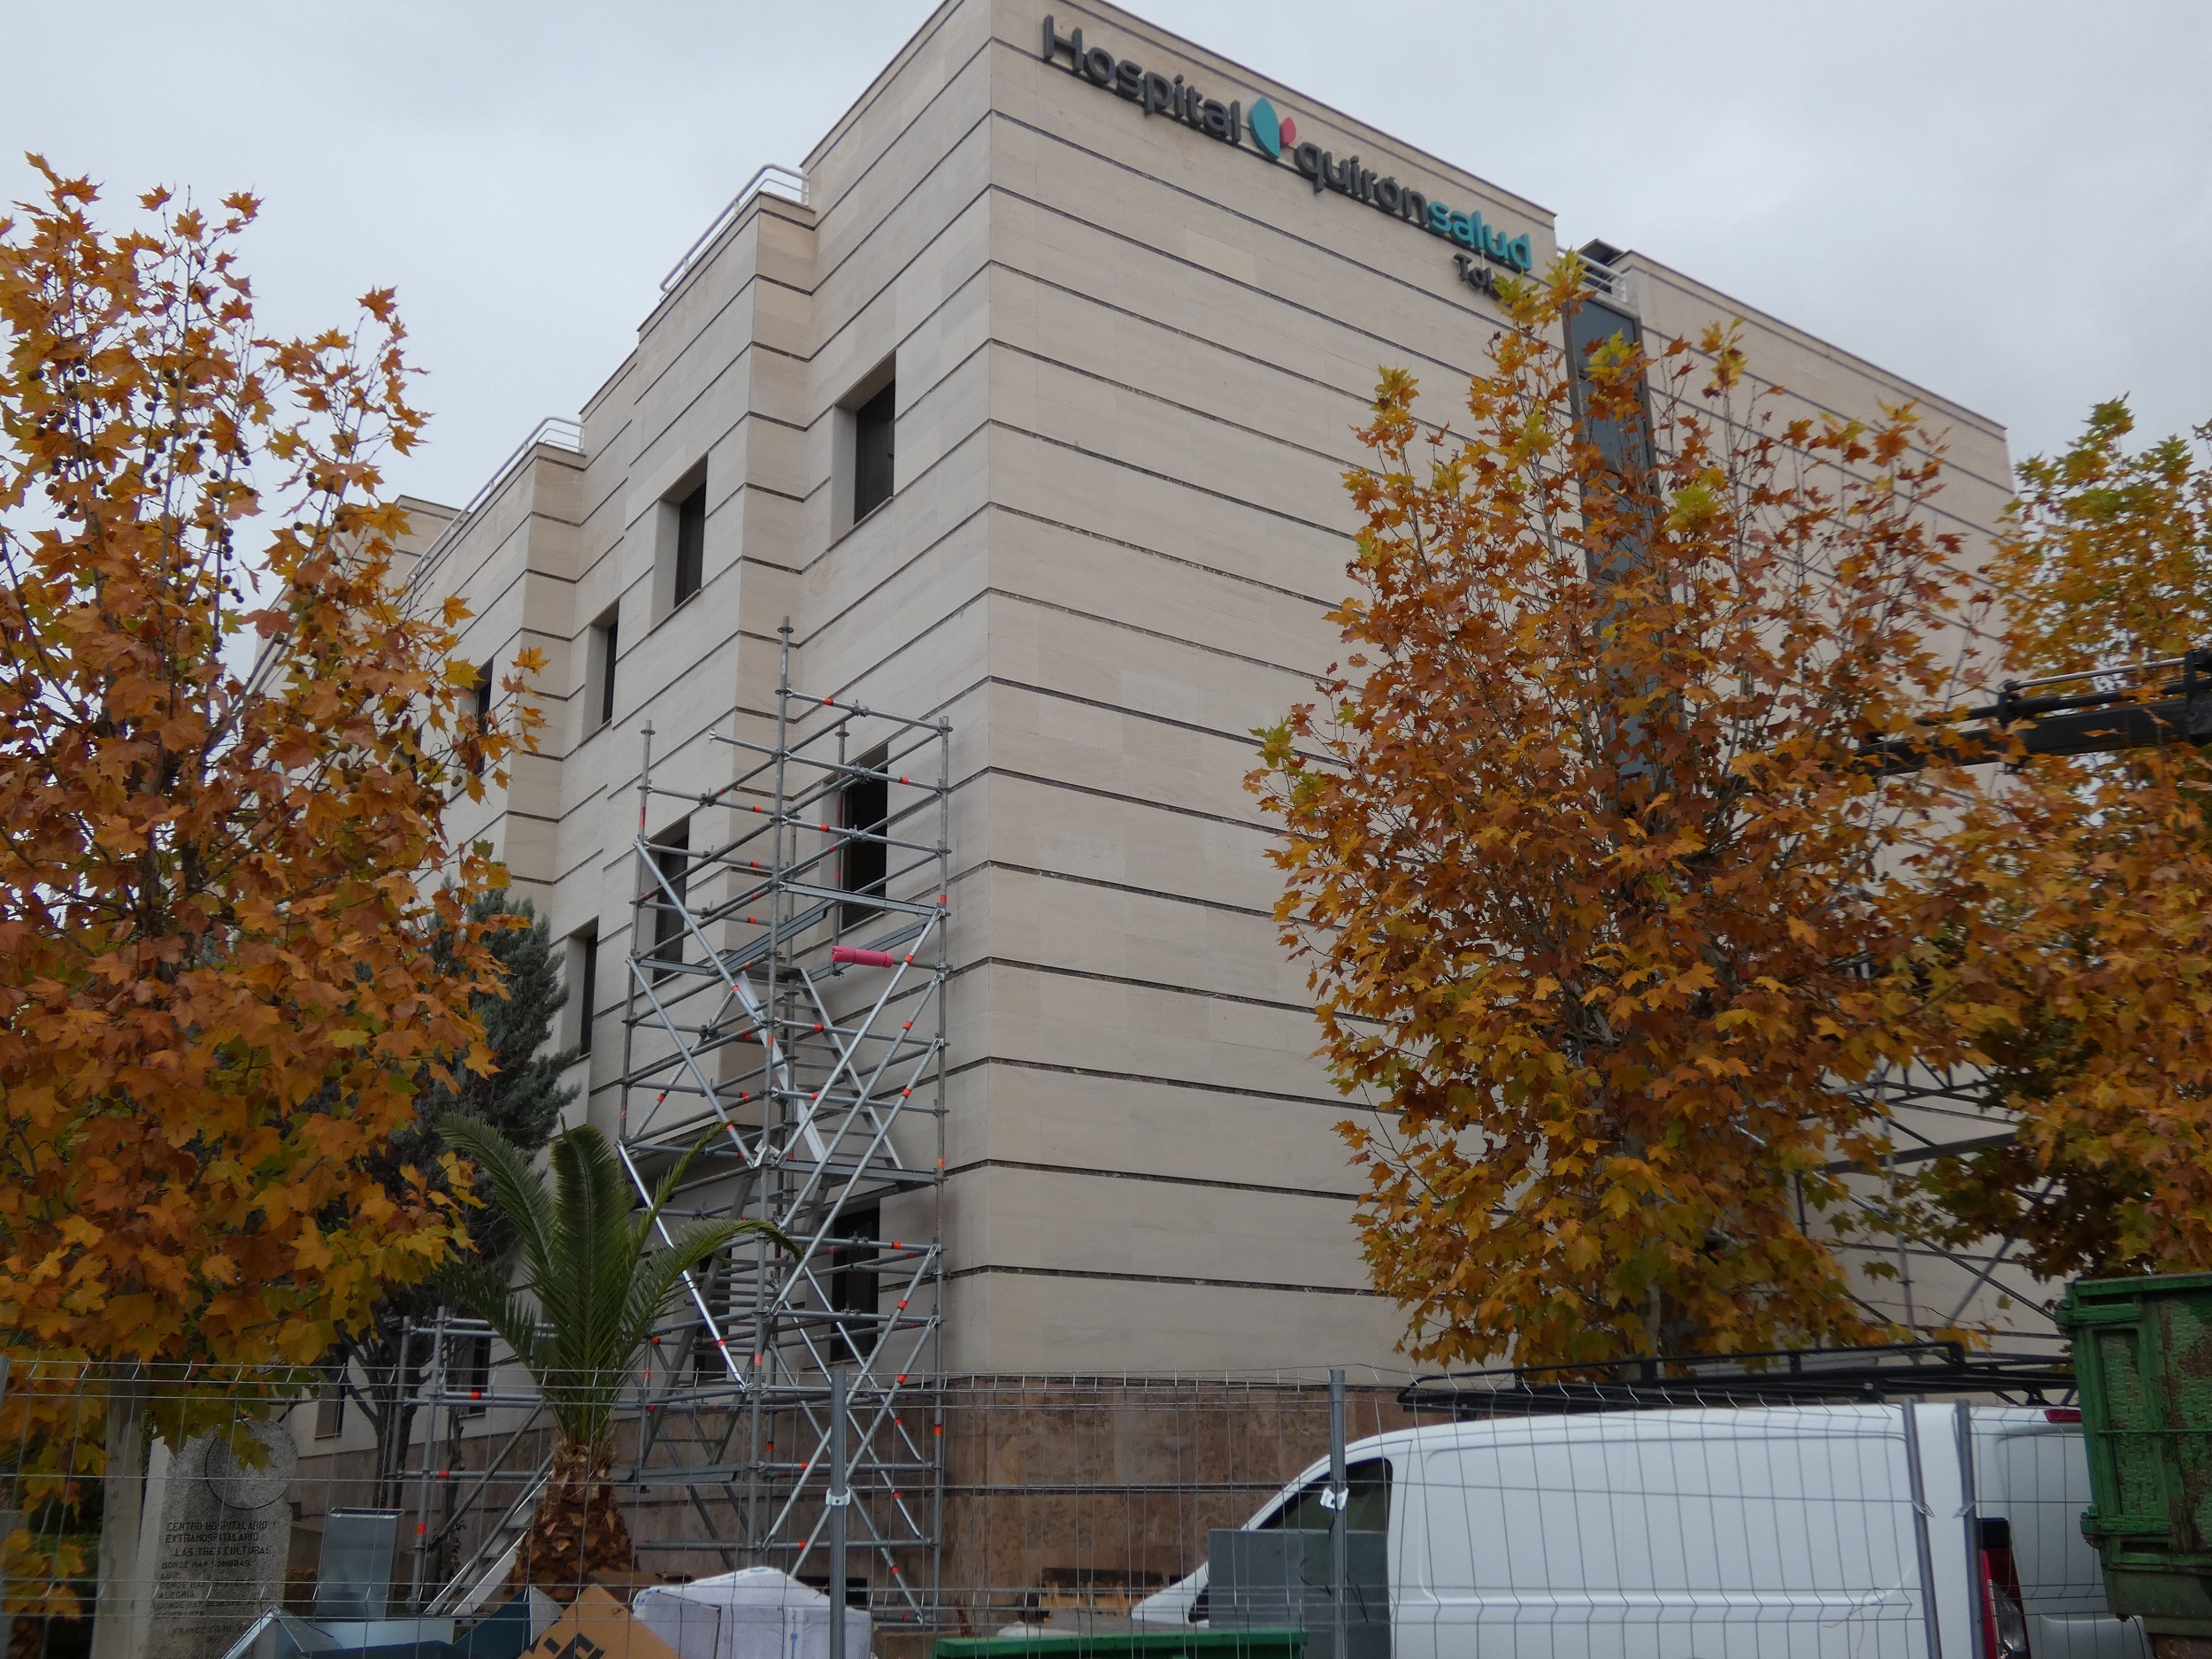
(386, 1370)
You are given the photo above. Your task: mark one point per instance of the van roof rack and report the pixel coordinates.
(1776, 1376)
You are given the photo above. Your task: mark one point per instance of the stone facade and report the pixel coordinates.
(1128, 358)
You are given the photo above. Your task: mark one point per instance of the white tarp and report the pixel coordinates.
(755, 1613)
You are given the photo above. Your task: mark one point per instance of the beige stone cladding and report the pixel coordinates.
(1128, 360)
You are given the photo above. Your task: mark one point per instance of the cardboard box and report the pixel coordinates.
(598, 1626)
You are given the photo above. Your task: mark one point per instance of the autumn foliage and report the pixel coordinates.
(219, 888)
(2079, 965)
(1600, 903)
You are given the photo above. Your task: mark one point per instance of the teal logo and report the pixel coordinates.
(1270, 131)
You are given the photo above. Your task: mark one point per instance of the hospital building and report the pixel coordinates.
(996, 451)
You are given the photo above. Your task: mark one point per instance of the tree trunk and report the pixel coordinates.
(391, 1383)
(576, 1531)
(119, 1615)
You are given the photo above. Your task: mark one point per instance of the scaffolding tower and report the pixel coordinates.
(785, 1026)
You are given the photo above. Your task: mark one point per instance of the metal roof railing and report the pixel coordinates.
(1782, 1377)
(1617, 281)
(558, 431)
(787, 184)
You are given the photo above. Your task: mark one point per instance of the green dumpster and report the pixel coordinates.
(1192, 1643)
(2142, 1361)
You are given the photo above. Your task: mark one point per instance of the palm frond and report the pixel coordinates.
(522, 1195)
(656, 1285)
(500, 1306)
(598, 1287)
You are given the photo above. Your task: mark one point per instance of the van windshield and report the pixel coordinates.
(1368, 1511)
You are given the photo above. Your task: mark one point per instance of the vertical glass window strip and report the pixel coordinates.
(852, 1279)
(874, 423)
(587, 987)
(471, 1377)
(482, 713)
(691, 543)
(865, 804)
(609, 642)
(671, 855)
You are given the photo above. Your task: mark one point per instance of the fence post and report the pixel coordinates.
(416, 1575)
(838, 1499)
(10, 1462)
(119, 1607)
(1917, 1476)
(1339, 1519)
(1971, 1508)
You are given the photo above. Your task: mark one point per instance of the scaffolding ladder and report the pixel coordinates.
(784, 1016)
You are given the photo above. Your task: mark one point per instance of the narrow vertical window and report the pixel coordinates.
(691, 543)
(481, 714)
(471, 1378)
(330, 1408)
(874, 423)
(852, 1279)
(672, 857)
(864, 804)
(706, 1351)
(587, 979)
(606, 649)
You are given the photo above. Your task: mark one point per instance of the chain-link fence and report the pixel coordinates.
(1386, 1521)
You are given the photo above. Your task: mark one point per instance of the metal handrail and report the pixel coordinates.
(794, 189)
(512, 1525)
(558, 430)
(1613, 280)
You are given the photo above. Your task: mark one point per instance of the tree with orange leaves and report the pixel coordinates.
(2078, 964)
(1600, 904)
(221, 978)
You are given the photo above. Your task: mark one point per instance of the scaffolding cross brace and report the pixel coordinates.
(785, 1014)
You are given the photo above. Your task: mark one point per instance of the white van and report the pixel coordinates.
(1723, 1533)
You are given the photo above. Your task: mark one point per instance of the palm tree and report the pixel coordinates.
(593, 1295)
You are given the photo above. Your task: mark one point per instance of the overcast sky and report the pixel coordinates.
(2009, 201)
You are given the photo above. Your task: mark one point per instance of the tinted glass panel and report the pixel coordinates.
(874, 423)
(867, 806)
(609, 644)
(671, 854)
(587, 992)
(691, 543)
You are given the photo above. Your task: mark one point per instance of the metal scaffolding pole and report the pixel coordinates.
(785, 1014)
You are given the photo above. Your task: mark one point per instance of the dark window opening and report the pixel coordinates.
(330, 1408)
(608, 643)
(469, 1373)
(481, 716)
(852, 1278)
(873, 425)
(707, 1361)
(1366, 1509)
(855, 1586)
(864, 804)
(672, 857)
(691, 544)
(1624, 443)
(587, 987)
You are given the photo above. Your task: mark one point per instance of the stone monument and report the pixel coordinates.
(218, 1534)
